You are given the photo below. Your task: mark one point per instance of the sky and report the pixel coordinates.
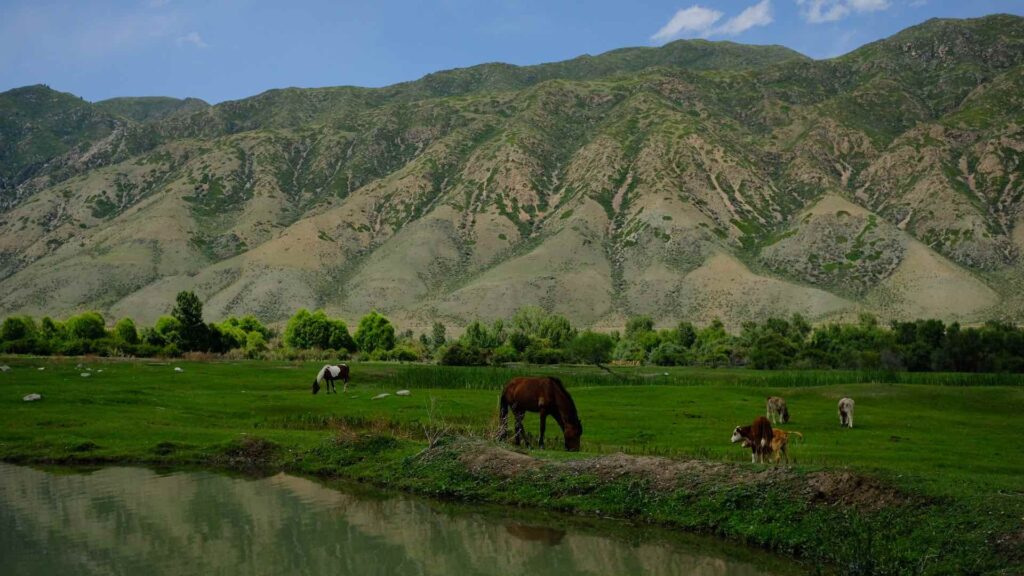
(228, 49)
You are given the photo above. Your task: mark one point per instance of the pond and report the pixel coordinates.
(123, 520)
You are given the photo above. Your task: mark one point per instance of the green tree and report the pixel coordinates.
(17, 328)
(188, 311)
(686, 334)
(166, 331)
(339, 338)
(126, 332)
(375, 332)
(86, 326)
(591, 348)
(479, 336)
(438, 336)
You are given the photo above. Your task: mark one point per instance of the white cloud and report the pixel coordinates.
(759, 14)
(699, 21)
(820, 11)
(695, 19)
(192, 38)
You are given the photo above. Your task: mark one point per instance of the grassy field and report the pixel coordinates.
(942, 441)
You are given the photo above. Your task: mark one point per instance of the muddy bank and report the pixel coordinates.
(830, 488)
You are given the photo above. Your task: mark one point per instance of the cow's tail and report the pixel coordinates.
(785, 414)
(798, 435)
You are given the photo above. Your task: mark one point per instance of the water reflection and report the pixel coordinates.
(132, 520)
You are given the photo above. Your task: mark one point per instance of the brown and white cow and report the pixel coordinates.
(758, 436)
(780, 443)
(776, 409)
(846, 413)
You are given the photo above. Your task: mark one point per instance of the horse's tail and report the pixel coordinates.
(320, 375)
(785, 414)
(502, 417)
(798, 435)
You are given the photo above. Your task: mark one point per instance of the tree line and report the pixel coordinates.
(538, 337)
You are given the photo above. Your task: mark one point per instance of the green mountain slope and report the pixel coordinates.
(692, 181)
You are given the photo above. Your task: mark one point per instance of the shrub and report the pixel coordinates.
(255, 345)
(458, 354)
(504, 354)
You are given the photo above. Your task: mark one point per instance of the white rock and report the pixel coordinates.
(379, 396)
(4, 368)
(41, 368)
(32, 397)
(403, 393)
(178, 369)
(85, 374)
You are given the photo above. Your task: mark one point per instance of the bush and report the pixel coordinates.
(457, 354)
(396, 354)
(544, 355)
(504, 354)
(669, 354)
(255, 345)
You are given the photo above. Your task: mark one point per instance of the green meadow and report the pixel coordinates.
(944, 438)
(951, 438)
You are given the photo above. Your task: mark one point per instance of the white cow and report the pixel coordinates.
(846, 413)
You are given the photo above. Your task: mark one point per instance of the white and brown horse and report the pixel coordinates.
(328, 374)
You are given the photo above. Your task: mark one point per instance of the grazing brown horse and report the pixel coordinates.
(547, 396)
(328, 374)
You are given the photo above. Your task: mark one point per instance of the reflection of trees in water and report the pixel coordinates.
(133, 520)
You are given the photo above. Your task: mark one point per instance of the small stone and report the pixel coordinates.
(403, 393)
(178, 369)
(4, 368)
(32, 397)
(41, 368)
(379, 396)
(85, 374)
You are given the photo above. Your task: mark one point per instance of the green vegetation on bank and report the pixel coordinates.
(926, 482)
(538, 337)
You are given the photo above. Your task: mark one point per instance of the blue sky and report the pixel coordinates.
(227, 49)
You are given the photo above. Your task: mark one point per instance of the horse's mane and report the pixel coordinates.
(566, 400)
(320, 375)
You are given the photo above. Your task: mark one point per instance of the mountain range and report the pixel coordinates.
(692, 181)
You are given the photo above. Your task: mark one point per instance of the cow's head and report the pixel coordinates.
(737, 435)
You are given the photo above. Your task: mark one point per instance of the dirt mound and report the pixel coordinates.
(847, 488)
(248, 454)
(493, 461)
(832, 488)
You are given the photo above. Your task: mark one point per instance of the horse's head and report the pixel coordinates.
(316, 387)
(572, 433)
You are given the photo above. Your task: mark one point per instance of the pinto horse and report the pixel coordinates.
(546, 396)
(328, 374)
